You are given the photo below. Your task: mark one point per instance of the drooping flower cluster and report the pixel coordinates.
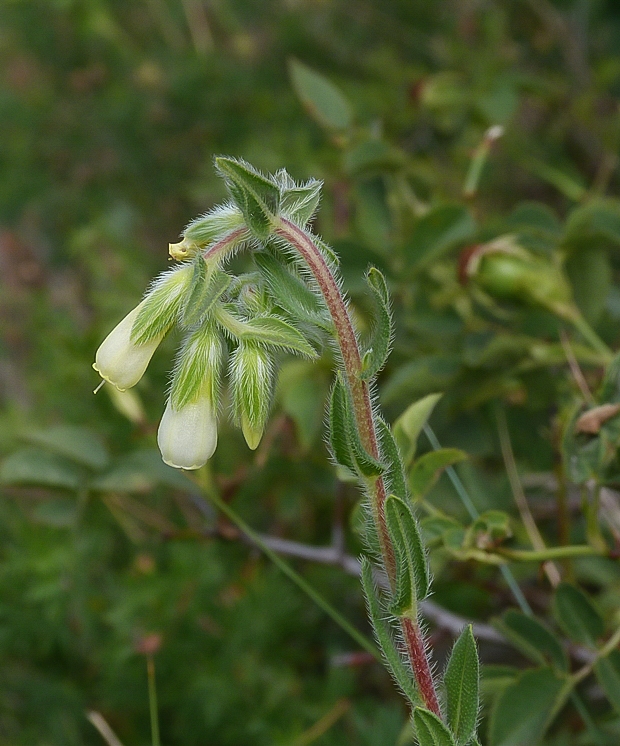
(245, 319)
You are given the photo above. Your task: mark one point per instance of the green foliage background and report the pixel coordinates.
(110, 114)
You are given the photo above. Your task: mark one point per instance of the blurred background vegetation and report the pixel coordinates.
(110, 114)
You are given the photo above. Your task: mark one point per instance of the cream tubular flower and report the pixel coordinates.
(187, 434)
(187, 437)
(119, 360)
(125, 353)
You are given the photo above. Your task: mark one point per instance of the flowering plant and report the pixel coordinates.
(293, 301)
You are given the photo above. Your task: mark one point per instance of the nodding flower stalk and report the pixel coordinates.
(289, 302)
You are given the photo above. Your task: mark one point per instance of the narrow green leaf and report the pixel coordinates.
(361, 462)
(384, 639)
(430, 730)
(608, 673)
(267, 330)
(276, 332)
(321, 98)
(395, 473)
(523, 711)
(576, 614)
(339, 427)
(366, 464)
(428, 468)
(206, 291)
(412, 574)
(381, 337)
(533, 639)
(257, 197)
(462, 682)
(76, 443)
(290, 292)
(32, 466)
(409, 425)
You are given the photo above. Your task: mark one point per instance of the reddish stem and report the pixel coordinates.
(219, 248)
(347, 341)
(414, 640)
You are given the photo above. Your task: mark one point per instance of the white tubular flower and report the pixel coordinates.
(187, 437)
(119, 360)
(125, 353)
(187, 434)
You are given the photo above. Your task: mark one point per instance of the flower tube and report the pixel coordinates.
(187, 437)
(187, 434)
(119, 360)
(125, 353)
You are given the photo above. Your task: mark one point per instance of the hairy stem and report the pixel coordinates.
(360, 395)
(416, 649)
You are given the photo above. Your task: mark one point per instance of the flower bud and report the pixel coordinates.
(210, 227)
(119, 360)
(187, 436)
(251, 377)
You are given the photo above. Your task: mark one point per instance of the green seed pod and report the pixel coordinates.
(507, 271)
(251, 378)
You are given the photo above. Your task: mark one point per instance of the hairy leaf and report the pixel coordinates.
(363, 463)
(384, 639)
(430, 730)
(206, 291)
(212, 226)
(462, 684)
(412, 575)
(161, 305)
(198, 367)
(290, 292)
(374, 359)
(395, 473)
(339, 427)
(267, 330)
(300, 202)
(257, 197)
